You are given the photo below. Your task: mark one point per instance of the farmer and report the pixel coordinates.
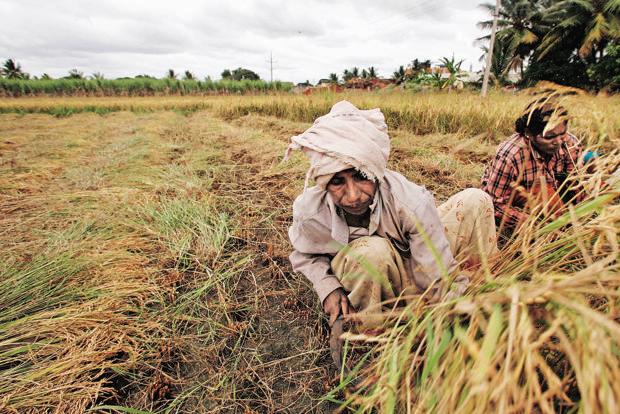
(530, 168)
(366, 237)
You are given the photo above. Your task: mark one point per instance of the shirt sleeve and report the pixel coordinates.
(317, 269)
(497, 181)
(430, 250)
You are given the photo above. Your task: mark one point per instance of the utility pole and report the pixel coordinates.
(487, 70)
(271, 65)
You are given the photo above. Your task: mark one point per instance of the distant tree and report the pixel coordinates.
(399, 75)
(520, 26)
(346, 75)
(12, 70)
(240, 74)
(454, 69)
(355, 72)
(372, 72)
(188, 75)
(144, 76)
(500, 62)
(364, 74)
(606, 73)
(171, 74)
(98, 76)
(333, 77)
(75, 74)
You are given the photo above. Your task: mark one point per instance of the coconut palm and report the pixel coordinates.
(12, 70)
(520, 28)
(346, 75)
(399, 75)
(500, 62)
(587, 25)
(75, 74)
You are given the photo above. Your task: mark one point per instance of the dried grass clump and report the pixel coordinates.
(538, 332)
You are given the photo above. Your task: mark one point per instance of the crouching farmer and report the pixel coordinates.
(366, 237)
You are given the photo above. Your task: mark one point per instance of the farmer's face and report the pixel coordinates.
(550, 142)
(351, 191)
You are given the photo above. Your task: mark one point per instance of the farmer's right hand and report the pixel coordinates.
(337, 303)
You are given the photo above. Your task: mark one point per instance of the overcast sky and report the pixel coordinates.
(309, 39)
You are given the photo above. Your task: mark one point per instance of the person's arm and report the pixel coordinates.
(317, 269)
(498, 181)
(430, 249)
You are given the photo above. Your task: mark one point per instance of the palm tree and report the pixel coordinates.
(587, 25)
(500, 62)
(453, 67)
(399, 75)
(520, 28)
(75, 74)
(171, 74)
(346, 75)
(188, 75)
(372, 72)
(12, 70)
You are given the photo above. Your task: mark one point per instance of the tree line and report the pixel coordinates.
(570, 42)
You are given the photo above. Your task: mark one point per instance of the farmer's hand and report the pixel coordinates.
(337, 303)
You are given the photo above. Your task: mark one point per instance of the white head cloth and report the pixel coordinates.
(346, 137)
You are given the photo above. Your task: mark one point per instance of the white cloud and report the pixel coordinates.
(309, 39)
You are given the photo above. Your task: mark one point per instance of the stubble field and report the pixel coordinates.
(143, 264)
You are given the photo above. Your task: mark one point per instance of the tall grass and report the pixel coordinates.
(134, 87)
(593, 119)
(537, 332)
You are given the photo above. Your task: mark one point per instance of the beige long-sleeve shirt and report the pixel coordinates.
(402, 212)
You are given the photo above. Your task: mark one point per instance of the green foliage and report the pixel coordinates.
(138, 86)
(606, 73)
(240, 74)
(74, 74)
(561, 40)
(12, 70)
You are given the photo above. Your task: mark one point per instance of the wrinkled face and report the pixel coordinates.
(351, 191)
(550, 142)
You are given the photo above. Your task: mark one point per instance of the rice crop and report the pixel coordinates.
(143, 265)
(594, 119)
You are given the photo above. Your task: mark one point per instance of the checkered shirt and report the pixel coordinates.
(517, 163)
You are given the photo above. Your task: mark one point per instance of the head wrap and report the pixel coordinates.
(346, 137)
